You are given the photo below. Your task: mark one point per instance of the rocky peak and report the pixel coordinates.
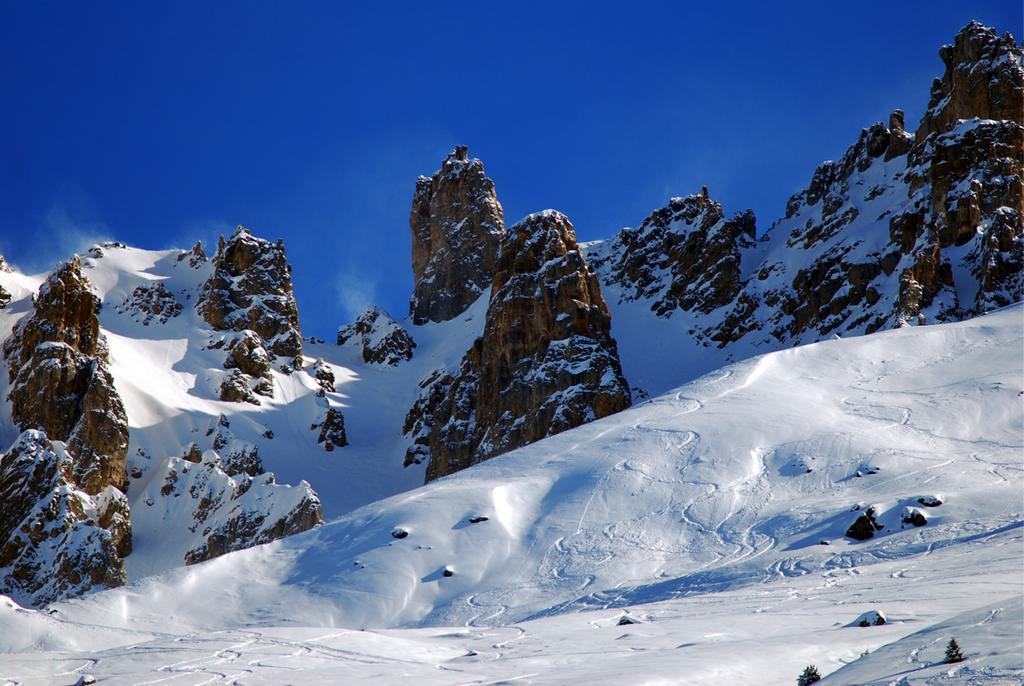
(65, 517)
(983, 79)
(250, 291)
(456, 223)
(195, 257)
(381, 338)
(59, 380)
(251, 288)
(546, 361)
(685, 255)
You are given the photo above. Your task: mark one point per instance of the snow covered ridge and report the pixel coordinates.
(700, 535)
(902, 229)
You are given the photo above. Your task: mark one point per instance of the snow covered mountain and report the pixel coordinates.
(668, 437)
(696, 536)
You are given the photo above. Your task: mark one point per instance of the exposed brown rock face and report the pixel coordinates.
(251, 288)
(59, 380)
(382, 339)
(456, 223)
(965, 172)
(250, 292)
(58, 541)
(546, 361)
(901, 230)
(982, 80)
(70, 492)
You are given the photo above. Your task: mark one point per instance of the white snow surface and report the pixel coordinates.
(699, 514)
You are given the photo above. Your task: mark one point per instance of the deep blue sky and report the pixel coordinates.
(160, 123)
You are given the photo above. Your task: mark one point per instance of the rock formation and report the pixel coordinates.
(250, 292)
(60, 385)
(382, 339)
(149, 304)
(332, 430)
(546, 361)
(61, 391)
(899, 231)
(194, 257)
(690, 243)
(231, 503)
(57, 540)
(456, 224)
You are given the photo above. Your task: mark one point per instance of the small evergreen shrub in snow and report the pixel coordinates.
(809, 676)
(953, 653)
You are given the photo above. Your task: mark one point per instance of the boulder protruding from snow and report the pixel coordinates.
(546, 361)
(457, 223)
(865, 526)
(914, 516)
(870, 618)
(332, 430)
(382, 339)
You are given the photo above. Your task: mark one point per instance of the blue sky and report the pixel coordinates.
(161, 123)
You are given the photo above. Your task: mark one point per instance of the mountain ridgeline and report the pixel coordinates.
(904, 229)
(150, 396)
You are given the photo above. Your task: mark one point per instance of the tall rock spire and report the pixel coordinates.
(546, 361)
(456, 223)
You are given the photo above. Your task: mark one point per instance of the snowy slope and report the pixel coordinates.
(695, 512)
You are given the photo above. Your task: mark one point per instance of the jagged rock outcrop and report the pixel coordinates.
(250, 292)
(456, 224)
(546, 361)
(194, 257)
(251, 288)
(382, 339)
(71, 491)
(965, 174)
(685, 255)
(230, 502)
(231, 511)
(60, 385)
(903, 229)
(57, 540)
(149, 304)
(324, 376)
(236, 456)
